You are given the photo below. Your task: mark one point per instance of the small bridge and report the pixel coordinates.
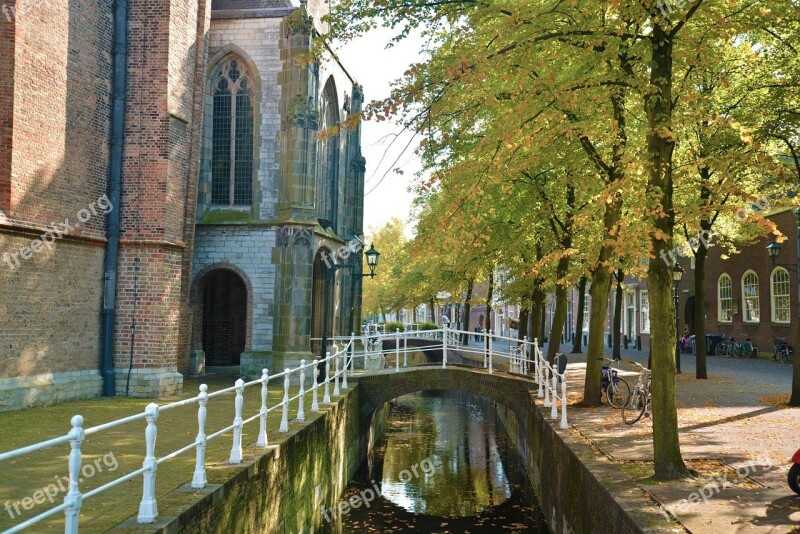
(384, 366)
(376, 389)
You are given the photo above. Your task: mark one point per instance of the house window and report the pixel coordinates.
(725, 299)
(781, 302)
(644, 308)
(586, 313)
(232, 137)
(752, 310)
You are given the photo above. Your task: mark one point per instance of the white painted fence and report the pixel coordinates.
(523, 357)
(148, 507)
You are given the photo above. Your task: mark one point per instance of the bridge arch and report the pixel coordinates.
(515, 393)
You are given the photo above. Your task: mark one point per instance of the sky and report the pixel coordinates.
(375, 67)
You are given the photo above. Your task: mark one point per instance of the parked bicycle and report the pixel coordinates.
(725, 347)
(782, 351)
(641, 398)
(615, 388)
(744, 348)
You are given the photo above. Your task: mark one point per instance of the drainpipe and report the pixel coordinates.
(120, 55)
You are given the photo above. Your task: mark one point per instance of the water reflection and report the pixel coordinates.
(445, 466)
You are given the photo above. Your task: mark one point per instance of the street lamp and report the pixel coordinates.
(677, 276)
(372, 261)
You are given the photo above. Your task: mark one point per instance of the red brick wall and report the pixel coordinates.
(55, 68)
(160, 140)
(754, 257)
(7, 62)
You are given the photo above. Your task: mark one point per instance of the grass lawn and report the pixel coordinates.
(121, 447)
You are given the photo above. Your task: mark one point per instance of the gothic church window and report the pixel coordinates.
(232, 136)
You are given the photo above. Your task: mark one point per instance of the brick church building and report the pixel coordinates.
(166, 198)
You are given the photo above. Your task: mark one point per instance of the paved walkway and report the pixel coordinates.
(732, 421)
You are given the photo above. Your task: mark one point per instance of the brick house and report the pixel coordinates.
(749, 295)
(229, 198)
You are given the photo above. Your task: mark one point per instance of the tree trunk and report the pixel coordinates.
(522, 333)
(599, 291)
(433, 310)
(699, 326)
(577, 343)
(660, 146)
(465, 318)
(560, 314)
(537, 311)
(795, 398)
(617, 335)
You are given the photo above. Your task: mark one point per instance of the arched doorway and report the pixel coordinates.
(318, 302)
(224, 317)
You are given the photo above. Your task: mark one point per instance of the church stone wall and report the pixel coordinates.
(258, 38)
(249, 249)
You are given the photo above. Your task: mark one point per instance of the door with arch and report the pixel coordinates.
(224, 317)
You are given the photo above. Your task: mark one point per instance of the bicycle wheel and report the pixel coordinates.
(721, 349)
(618, 393)
(634, 409)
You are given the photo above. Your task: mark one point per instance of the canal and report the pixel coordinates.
(445, 465)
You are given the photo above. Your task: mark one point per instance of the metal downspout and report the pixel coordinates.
(120, 55)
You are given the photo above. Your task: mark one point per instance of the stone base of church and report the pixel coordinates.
(149, 383)
(49, 388)
(252, 363)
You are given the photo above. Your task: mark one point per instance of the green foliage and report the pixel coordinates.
(392, 327)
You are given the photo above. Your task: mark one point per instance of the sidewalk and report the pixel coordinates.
(734, 420)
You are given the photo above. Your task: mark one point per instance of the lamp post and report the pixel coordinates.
(677, 276)
(372, 256)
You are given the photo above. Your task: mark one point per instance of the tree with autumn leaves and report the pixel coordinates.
(572, 139)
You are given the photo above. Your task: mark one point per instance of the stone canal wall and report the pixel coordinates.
(282, 489)
(579, 489)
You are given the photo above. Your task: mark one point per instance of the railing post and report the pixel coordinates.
(199, 480)
(345, 356)
(525, 355)
(405, 348)
(262, 430)
(327, 397)
(512, 358)
(336, 358)
(546, 386)
(352, 353)
(444, 345)
(364, 342)
(73, 498)
(564, 401)
(397, 350)
(314, 400)
(148, 509)
(285, 403)
(236, 449)
(490, 352)
(301, 412)
(554, 397)
(538, 363)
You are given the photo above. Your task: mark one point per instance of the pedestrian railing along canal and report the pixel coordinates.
(522, 358)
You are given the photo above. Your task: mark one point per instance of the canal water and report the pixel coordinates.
(445, 466)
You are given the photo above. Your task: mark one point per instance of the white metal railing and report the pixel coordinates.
(523, 357)
(335, 365)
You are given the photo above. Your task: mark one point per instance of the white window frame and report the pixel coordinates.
(644, 310)
(787, 296)
(728, 299)
(746, 311)
(629, 302)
